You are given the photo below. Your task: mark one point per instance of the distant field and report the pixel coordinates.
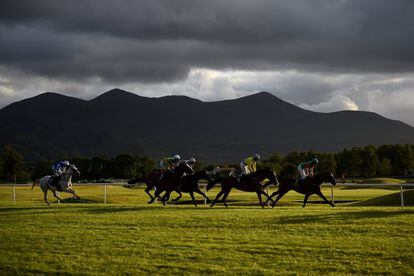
(129, 236)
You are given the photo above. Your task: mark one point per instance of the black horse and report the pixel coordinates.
(171, 179)
(263, 174)
(151, 180)
(246, 184)
(188, 184)
(307, 186)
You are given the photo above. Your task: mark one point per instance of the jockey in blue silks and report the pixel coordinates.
(58, 168)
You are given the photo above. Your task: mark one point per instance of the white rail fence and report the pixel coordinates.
(352, 185)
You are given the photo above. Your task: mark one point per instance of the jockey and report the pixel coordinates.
(58, 168)
(248, 165)
(169, 163)
(308, 168)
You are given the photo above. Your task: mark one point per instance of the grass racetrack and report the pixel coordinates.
(129, 236)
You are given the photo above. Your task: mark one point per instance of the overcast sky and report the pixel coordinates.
(322, 55)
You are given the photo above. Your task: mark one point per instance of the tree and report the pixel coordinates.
(42, 168)
(384, 168)
(12, 164)
(326, 162)
(370, 161)
(274, 162)
(99, 167)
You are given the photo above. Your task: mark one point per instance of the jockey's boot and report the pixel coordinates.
(55, 182)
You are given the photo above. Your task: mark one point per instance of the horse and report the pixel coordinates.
(247, 185)
(151, 180)
(189, 184)
(263, 174)
(171, 179)
(308, 187)
(64, 183)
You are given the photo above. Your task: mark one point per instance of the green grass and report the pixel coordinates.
(130, 236)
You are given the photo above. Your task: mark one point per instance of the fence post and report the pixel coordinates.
(104, 193)
(332, 194)
(205, 192)
(402, 196)
(14, 194)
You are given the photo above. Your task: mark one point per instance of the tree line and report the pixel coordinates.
(368, 161)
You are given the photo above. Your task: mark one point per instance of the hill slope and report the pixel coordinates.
(52, 125)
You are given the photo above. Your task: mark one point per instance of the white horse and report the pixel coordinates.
(64, 184)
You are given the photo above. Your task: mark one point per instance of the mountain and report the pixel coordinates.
(51, 125)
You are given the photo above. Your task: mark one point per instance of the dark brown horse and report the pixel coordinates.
(307, 186)
(188, 184)
(171, 179)
(151, 181)
(263, 174)
(245, 183)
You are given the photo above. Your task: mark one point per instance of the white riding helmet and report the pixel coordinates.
(66, 163)
(192, 160)
(177, 157)
(256, 157)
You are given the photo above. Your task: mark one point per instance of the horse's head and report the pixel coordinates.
(211, 183)
(329, 178)
(72, 170)
(184, 168)
(204, 175)
(272, 177)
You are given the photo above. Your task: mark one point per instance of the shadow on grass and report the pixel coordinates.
(343, 216)
(77, 201)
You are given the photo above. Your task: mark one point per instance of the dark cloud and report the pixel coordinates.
(155, 41)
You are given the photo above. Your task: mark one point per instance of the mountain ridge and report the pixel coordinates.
(50, 125)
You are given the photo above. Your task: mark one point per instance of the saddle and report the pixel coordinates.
(54, 181)
(244, 179)
(303, 181)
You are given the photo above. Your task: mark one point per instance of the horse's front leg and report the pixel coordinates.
(179, 195)
(192, 197)
(305, 200)
(319, 193)
(165, 197)
(259, 196)
(71, 191)
(268, 197)
(281, 194)
(225, 198)
(217, 198)
(147, 189)
(55, 195)
(197, 190)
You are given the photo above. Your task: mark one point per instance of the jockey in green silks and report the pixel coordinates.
(168, 163)
(308, 168)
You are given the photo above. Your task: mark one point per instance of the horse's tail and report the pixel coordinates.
(35, 183)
